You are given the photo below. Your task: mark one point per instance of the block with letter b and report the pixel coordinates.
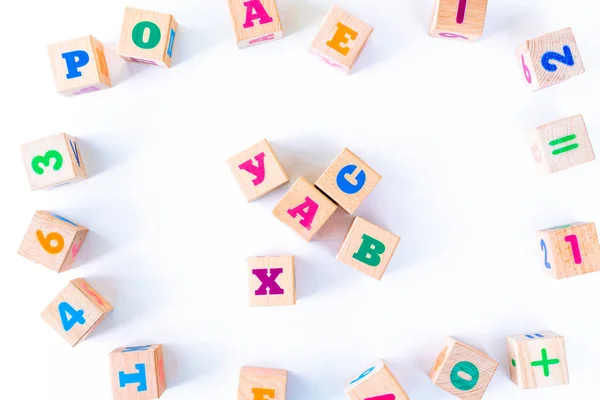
(76, 311)
(462, 20)
(550, 59)
(368, 248)
(348, 181)
(272, 281)
(79, 66)
(255, 21)
(375, 383)
(53, 241)
(341, 39)
(147, 37)
(463, 371)
(570, 250)
(262, 384)
(537, 360)
(137, 372)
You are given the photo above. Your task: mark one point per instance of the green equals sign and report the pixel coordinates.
(562, 140)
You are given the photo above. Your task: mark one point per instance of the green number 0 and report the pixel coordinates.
(45, 161)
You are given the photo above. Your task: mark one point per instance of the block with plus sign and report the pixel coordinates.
(375, 383)
(271, 281)
(537, 360)
(137, 372)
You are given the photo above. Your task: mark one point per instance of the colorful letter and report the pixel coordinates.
(341, 36)
(268, 281)
(307, 215)
(256, 170)
(260, 14)
(75, 60)
(259, 394)
(370, 251)
(137, 35)
(138, 377)
(465, 368)
(389, 396)
(345, 185)
(364, 374)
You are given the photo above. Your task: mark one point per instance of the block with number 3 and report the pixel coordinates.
(375, 383)
(52, 241)
(76, 311)
(461, 20)
(137, 372)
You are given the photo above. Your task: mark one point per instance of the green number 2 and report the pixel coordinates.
(45, 161)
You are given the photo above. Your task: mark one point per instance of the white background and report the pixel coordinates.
(443, 122)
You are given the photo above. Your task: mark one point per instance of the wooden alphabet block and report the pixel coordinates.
(304, 209)
(255, 21)
(53, 161)
(463, 371)
(368, 248)
(341, 39)
(147, 37)
(570, 250)
(272, 281)
(138, 372)
(257, 170)
(537, 360)
(375, 383)
(79, 66)
(561, 144)
(462, 20)
(76, 311)
(262, 383)
(52, 241)
(348, 181)
(550, 59)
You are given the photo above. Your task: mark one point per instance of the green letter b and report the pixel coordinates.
(370, 251)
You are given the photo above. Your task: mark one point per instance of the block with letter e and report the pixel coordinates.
(262, 384)
(255, 21)
(137, 372)
(375, 383)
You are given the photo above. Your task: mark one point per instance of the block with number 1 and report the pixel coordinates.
(461, 20)
(137, 372)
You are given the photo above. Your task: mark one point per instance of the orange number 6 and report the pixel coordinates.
(46, 242)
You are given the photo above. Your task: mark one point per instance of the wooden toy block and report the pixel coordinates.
(79, 66)
(272, 281)
(76, 311)
(550, 59)
(304, 209)
(561, 144)
(368, 248)
(537, 360)
(262, 384)
(53, 161)
(138, 372)
(147, 37)
(348, 181)
(463, 371)
(375, 383)
(257, 170)
(570, 250)
(255, 21)
(52, 241)
(461, 20)
(341, 39)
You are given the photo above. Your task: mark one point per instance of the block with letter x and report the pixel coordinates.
(262, 384)
(137, 372)
(271, 281)
(375, 383)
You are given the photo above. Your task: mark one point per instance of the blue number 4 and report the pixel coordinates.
(69, 316)
(567, 59)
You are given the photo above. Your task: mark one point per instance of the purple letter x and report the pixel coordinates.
(268, 281)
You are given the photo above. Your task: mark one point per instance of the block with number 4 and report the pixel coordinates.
(262, 383)
(53, 161)
(537, 360)
(76, 311)
(255, 21)
(570, 250)
(561, 144)
(52, 241)
(463, 371)
(550, 59)
(272, 281)
(375, 383)
(462, 20)
(137, 372)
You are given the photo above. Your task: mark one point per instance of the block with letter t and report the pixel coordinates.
(138, 372)
(375, 383)
(255, 21)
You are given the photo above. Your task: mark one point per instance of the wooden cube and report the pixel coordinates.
(461, 20)
(561, 144)
(272, 281)
(463, 371)
(348, 181)
(147, 37)
(52, 241)
(255, 21)
(537, 360)
(375, 383)
(262, 383)
(304, 209)
(79, 66)
(570, 250)
(138, 372)
(53, 161)
(76, 311)
(341, 39)
(550, 59)
(257, 170)
(368, 248)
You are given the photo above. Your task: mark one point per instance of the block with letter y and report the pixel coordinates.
(137, 372)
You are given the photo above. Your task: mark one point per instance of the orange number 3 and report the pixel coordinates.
(46, 242)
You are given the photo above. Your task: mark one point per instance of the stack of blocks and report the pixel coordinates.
(137, 373)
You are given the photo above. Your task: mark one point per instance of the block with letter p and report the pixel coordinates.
(255, 21)
(272, 281)
(262, 384)
(462, 20)
(79, 66)
(375, 383)
(137, 372)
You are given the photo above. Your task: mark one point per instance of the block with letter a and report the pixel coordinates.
(255, 21)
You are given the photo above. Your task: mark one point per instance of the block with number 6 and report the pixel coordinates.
(76, 311)
(375, 383)
(52, 161)
(137, 372)
(52, 241)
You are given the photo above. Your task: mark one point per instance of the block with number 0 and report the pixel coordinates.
(76, 311)
(461, 20)
(53, 241)
(375, 383)
(137, 372)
